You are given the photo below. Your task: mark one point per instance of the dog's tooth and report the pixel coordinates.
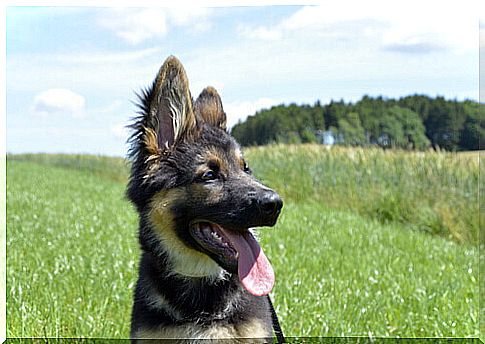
(216, 235)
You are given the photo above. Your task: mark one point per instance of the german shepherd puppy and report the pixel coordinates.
(202, 273)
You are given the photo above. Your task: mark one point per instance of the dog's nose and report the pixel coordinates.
(270, 204)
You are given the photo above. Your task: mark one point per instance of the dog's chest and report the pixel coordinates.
(247, 331)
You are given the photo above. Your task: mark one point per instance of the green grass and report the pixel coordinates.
(339, 275)
(71, 253)
(341, 268)
(115, 169)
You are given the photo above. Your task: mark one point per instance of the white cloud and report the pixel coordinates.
(240, 110)
(137, 25)
(102, 57)
(198, 16)
(120, 131)
(108, 109)
(59, 100)
(414, 23)
(260, 32)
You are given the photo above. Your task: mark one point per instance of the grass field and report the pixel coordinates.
(370, 243)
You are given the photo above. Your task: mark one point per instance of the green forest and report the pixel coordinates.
(413, 122)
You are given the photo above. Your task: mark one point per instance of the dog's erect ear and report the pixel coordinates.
(170, 110)
(208, 108)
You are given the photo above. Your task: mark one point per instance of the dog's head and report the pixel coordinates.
(194, 191)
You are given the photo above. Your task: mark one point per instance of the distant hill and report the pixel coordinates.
(412, 122)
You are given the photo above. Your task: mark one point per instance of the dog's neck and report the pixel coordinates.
(187, 298)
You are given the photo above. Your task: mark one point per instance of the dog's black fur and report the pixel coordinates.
(188, 171)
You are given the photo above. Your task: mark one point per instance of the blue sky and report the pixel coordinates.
(72, 72)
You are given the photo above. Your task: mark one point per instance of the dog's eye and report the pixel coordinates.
(209, 175)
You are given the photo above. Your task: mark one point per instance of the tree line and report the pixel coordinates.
(412, 122)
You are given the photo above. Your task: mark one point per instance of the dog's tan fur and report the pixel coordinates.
(250, 332)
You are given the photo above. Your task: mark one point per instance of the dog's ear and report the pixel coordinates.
(208, 108)
(171, 104)
(168, 114)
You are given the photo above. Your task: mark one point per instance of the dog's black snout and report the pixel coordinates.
(270, 204)
(262, 208)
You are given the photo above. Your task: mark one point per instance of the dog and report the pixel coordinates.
(202, 273)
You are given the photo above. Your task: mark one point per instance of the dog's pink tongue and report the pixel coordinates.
(255, 271)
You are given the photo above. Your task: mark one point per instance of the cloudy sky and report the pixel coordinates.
(72, 72)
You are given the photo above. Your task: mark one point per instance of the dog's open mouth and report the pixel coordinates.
(236, 251)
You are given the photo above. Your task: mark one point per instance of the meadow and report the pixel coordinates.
(370, 243)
